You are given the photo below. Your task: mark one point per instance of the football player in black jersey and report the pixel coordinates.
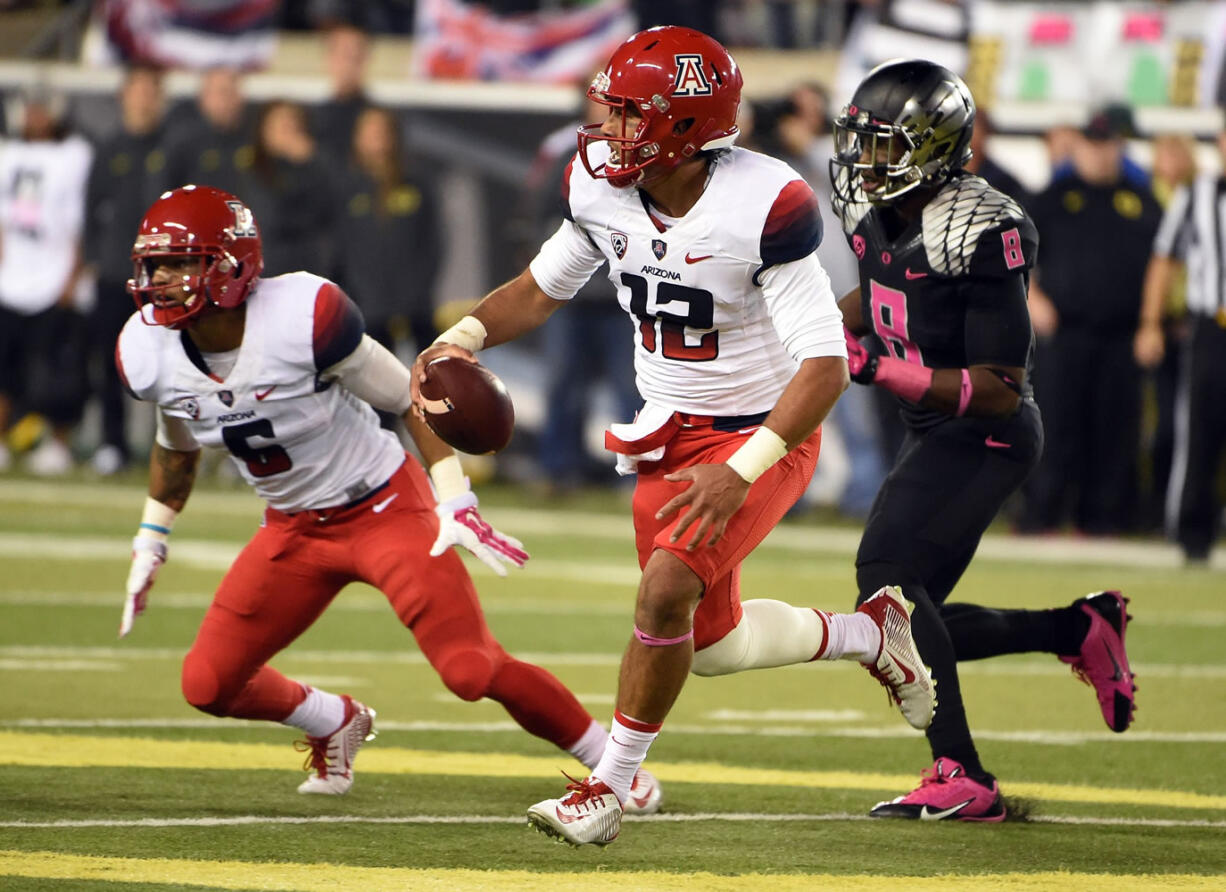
(944, 263)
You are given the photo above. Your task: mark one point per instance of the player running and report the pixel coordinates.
(279, 373)
(944, 263)
(739, 355)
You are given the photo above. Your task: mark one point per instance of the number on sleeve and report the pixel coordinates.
(1013, 249)
(889, 309)
(262, 461)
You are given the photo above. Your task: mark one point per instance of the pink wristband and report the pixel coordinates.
(964, 393)
(653, 641)
(908, 380)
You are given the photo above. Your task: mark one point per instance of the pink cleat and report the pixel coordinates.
(945, 793)
(1103, 661)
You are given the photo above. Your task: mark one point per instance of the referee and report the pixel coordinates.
(1193, 232)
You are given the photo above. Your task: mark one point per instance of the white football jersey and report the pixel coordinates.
(301, 440)
(726, 301)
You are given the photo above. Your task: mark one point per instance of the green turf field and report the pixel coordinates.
(109, 781)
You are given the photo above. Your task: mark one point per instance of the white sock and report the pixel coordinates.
(319, 714)
(851, 636)
(623, 755)
(591, 745)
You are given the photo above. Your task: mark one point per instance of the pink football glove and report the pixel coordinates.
(861, 365)
(148, 555)
(460, 524)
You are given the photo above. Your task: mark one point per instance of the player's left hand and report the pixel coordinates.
(460, 524)
(716, 494)
(861, 365)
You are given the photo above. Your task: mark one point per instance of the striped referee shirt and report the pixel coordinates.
(1194, 230)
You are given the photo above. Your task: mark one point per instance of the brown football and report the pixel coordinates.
(467, 406)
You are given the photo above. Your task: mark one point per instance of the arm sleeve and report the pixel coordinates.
(174, 434)
(1172, 222)
(803, 309)
(375, 376)
(997, 322)
(565, 262)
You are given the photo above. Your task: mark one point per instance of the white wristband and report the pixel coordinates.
(449, 479)
(157, 521)
(757, 454)
(468, 333)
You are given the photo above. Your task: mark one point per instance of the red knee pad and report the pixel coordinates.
(468, 673)
(201, 686)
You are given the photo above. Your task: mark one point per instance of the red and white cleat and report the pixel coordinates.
(331, 758)
(645, 797)
(898, 665)
(589, 814)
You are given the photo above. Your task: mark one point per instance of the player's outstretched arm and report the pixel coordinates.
(510, 310)
(459, 522)
(172, 474)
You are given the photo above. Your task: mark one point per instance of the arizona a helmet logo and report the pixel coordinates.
(619, 241)
(691, 81)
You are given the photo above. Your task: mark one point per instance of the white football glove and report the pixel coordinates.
(460, 524)
(148, 555)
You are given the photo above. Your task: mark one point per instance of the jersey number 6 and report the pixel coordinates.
(699, 313)
(262, 461)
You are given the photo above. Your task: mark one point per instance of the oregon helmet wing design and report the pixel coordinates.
(908, 124)
(205, 223)
(687, 89)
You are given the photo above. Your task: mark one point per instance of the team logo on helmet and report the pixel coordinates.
(620, 243)
(691, 81)
(191, 406)
(244, 220)
(226, 396)
(659, 248)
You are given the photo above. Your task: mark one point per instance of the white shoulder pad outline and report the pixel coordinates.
(955, 219)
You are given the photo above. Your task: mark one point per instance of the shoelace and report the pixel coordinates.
(581, 791)
(890, 696)
(316, 749)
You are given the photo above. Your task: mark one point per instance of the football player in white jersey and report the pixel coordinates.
(279, 373)
(739, 355)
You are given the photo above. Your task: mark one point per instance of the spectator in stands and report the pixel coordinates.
(982, 164)
(215, 149)
(390, 235)
(128, 168)
(1096, 228)
(43, 175)
(586, 347)
(291, 189)
(346, 54)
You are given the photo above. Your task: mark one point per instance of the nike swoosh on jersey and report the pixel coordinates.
(378, 508)
(689, 259)
(940, 813)
(912, 275)
(260, 396)
(994, 444)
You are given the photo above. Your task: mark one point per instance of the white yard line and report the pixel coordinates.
(729, 817)
(816, 728)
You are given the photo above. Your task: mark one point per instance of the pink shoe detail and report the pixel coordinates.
(1103, 661)
(946, 793)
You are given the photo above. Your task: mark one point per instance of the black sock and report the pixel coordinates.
(981, 632)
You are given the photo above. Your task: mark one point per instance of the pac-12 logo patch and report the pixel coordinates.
(691, 80)
(620, 242)
(659, 248)
(190, 406)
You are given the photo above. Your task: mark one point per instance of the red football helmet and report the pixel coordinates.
(687, 89)
(204, 223)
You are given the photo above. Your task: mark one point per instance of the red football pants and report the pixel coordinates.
(294, 566)
(718, 566)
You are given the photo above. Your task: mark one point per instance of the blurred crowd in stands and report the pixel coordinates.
(335, 192)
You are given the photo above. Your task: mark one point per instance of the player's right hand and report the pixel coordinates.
(148, 555)
(861, 365)
(418, 372)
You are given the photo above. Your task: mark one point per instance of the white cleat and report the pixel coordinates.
(898, 666)
(331, 758)
(645, 797)
(589, 814)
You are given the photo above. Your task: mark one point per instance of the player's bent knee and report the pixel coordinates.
(201, 685)
(668, 594)
(468, 673)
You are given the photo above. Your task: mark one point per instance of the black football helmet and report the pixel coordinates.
(908, 124)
